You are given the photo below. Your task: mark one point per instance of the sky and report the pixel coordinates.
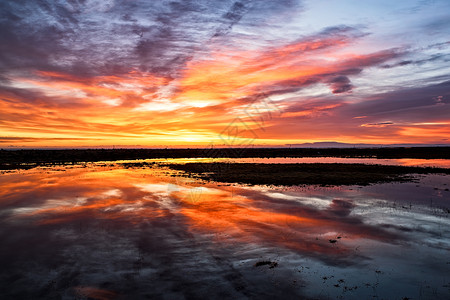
(131, 73)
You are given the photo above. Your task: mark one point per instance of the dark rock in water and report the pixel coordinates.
(271, 264)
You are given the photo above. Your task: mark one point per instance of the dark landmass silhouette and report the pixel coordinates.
(303, 174)
(12, 159)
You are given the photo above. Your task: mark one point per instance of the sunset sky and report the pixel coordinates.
(125, 73)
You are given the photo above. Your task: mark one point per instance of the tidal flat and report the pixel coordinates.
(159, 230)
(301, 174)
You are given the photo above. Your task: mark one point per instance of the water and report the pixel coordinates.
(104, 231)
(411, 162)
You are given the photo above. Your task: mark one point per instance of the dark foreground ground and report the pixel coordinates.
(300, 174)
(10, 159)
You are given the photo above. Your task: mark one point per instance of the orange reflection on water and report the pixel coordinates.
(94, 293)
(414, 162)
(97, 193)
(291, 226)
(130, 197)
(440, 163)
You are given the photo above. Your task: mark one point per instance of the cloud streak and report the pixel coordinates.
(177, 73)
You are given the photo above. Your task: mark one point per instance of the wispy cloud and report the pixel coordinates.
(167, 72)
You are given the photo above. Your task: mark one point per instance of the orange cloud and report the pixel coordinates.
(145, 109)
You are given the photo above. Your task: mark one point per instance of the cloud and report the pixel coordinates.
(163, 71)
(216, 83)
(90, 38)
(340, 84)
(379, 124)
(409, 115)
(411, 104)
(419, 62)
(14, 139)
(232, 17)
(278, 70)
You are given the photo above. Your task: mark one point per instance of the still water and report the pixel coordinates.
(408, 162)
(105, 231)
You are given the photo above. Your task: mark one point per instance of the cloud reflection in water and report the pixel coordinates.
(147, 222)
